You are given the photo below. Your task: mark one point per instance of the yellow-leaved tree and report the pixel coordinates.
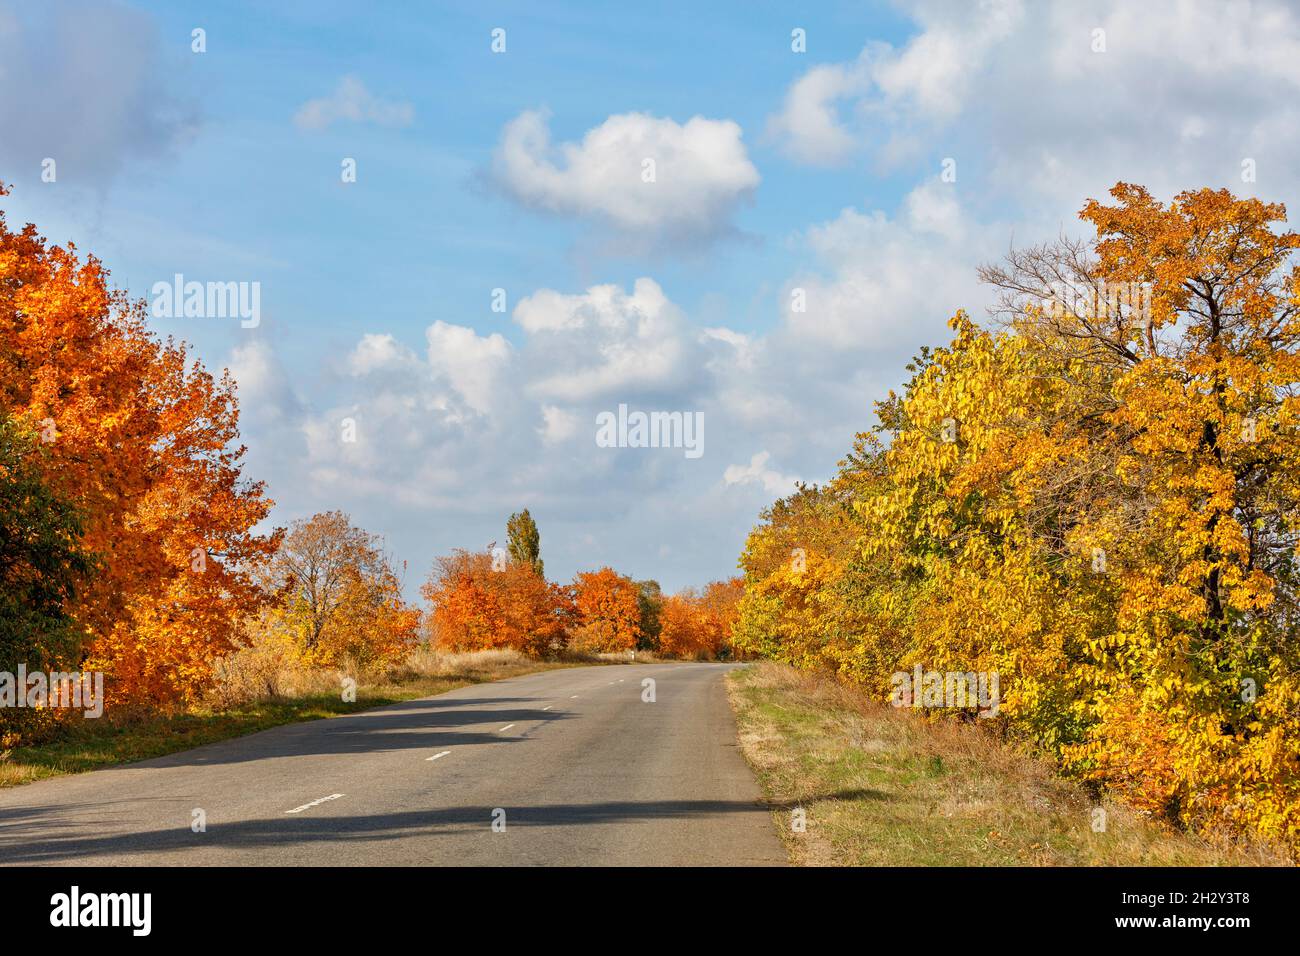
(1098, 502)
(337, 600)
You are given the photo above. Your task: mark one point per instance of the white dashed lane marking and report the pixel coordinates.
(505, 728)
(314, 803)
(437, 755)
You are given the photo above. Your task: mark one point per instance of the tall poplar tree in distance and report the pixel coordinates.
(524, 541)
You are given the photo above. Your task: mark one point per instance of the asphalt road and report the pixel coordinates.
(565, 767)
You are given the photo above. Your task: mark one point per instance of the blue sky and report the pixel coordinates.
(777, 171)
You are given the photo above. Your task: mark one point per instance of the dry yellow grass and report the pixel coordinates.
(884, 787)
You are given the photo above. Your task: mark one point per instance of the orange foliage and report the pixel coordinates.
(144, 444)
(476, 607)
(699, 625)
(609, 615)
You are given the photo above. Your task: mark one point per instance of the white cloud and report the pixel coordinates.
(933, 72)
(882, 281)
(757, 472)
(809, 126)
(477, 417)
(1020, 96)
(380, 353)
(269, 409)
(701, 172)
(351, 101)
(933, 208)
(605, 341)
(450, 440)
(264, 390)
(558, 424)
(474, 365)
(930, 76)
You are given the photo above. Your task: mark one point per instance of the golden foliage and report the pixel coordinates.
(1099, 503)
(337, 597)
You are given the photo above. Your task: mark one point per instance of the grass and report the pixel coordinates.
(883, 787)
(92, 744)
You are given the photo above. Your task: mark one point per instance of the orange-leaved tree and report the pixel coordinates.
(478, 602)
(608, 611)
(700, 625)
(142, 441)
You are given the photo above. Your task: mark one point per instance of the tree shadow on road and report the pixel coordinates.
(414, 725)
(27, 836)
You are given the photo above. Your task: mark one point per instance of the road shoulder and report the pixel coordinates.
(855, 782)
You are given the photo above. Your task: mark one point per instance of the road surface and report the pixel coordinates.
(564, 767)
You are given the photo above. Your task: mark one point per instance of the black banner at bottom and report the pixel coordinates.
(137, 905)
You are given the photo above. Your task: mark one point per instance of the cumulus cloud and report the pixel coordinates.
(558, 424)
(931, 73)
(634, 172)
(473, 426)
(1050, 103)
(809, 126)
(477, 420)
(264, 390)
(880, 281)
(471, 364)
(773, 482)
(353, 102)
(380, 353)
(605, 341)
(269, 408)
(824, 117)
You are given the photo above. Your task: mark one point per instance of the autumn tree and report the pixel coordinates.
(796, 561)
(608, 611)
(338, 596)
(699, 624)
(477, 604)
(720, 603)
(1098, 501)
(681, 628)
(524, 541)
(1202, 410)
(145, 449)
